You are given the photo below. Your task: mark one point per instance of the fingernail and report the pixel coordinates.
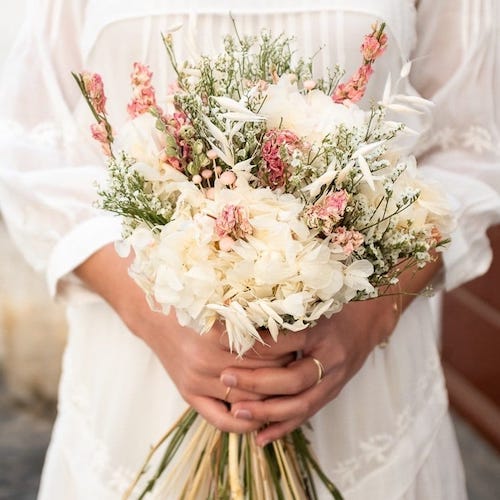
(244, 414)
(228, 380)
(263, 443)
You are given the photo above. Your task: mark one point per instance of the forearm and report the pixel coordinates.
(106, 273)
(413, 282)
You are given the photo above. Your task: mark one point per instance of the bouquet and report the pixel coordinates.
(263, 197)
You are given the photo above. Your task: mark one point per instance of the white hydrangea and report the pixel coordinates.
(282, 276)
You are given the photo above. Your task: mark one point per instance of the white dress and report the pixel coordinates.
(387, 436)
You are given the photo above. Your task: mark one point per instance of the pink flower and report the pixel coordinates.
(100, 134)
(277, 143)
(348, 240)
(328, 213)
(373, 46)
(336, 203)
(435, 237)
(143, 92)
(232, 222)
(141, 75)
(174, 125)
(94, 89)
(355, 88)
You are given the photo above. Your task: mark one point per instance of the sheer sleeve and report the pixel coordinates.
(48, 167)
(457, 65)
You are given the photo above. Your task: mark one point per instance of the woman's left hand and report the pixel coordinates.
(299, 390)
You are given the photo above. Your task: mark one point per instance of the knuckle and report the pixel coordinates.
(249, 383)
(294, 386)
(341, 358)
(298, 382)
(306, 407)
(189, 382)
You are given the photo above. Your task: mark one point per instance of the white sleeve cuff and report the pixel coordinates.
(72, 250)
(476, 207)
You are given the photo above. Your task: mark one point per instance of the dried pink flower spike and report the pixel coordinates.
(100, 134)
(94, 88)
(328, 213)
(372, 47)
(355, 88)
(276, 168)
(144, 97)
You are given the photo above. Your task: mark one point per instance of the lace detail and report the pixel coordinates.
(476, 138)
(117, 478)
(375, 450)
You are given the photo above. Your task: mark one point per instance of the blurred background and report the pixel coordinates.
(33, 330)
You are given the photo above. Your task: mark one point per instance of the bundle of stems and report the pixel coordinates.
(216, 465)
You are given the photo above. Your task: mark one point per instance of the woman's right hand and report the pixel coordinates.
(194, 362)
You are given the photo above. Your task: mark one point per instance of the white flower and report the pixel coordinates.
(311, 116)
(357, 274)
(140, 139)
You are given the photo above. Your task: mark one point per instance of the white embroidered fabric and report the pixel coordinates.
(387, 436)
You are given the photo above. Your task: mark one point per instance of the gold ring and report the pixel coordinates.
(228, 390)
(321, 369)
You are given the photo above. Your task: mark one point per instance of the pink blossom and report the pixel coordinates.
(232, 222)
(141, 75)
(348, 240)
(355, 88)
(373, 46)
(435, 237)
(143, 93)
(336, 203)
(94, 89)
(329, 212)
(100, 134)
(174, 124)
(174, 162)
(276, 142)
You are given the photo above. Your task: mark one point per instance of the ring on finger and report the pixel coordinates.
(321, 369)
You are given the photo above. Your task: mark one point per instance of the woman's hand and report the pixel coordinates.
(193, 362)
(295, 393)
(341, 344)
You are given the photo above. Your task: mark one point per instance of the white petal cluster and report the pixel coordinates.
(311, 116)
(282, 276)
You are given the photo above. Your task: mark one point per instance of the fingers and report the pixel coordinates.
(287, 343)
(217, 413)
(283, 408)
(276, 431)
(304, 388)
(286, 413)
(294, 378)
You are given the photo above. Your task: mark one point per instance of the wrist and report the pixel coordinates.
(107, 274)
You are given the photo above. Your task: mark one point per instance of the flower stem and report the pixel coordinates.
(234, 480)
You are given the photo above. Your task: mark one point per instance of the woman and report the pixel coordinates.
(381, 428)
